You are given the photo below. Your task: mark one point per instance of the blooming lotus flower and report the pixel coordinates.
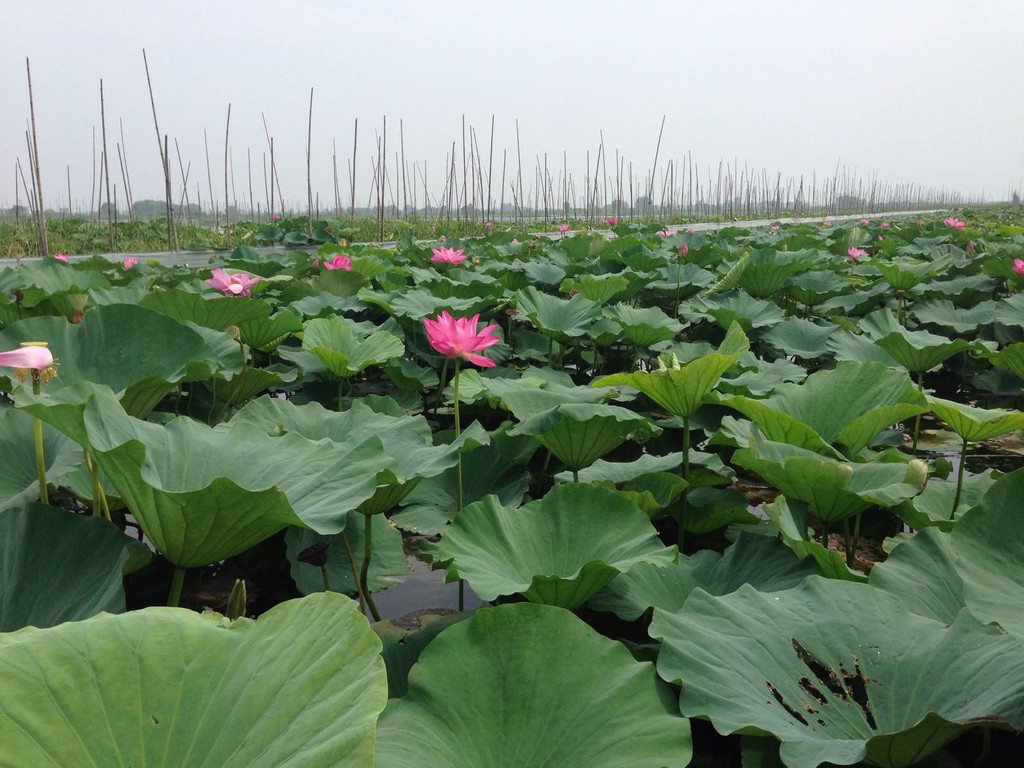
(563, 228)
(337, 261)
(275, 217)
(609, 220)
(955, 223)
(237, 284)
(691, 231)
(489, 224)
(34, 357)
(130, 262)
(827, 223)
(773, 228)
(1018, 266)
(515, 242)
(854, 254)
(885, 225)
(61, 257)
(458, 337)
(444, 255)
(667, 232)
(865, 221)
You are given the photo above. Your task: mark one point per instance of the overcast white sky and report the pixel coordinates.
(922, 90)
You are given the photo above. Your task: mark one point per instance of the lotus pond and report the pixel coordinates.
(722, 498)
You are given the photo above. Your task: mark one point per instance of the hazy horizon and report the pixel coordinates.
(914, 92)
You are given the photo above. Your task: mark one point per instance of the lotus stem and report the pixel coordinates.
(986, 746)
(355, 573)
(575, 476)
(458, 468)
(917, 419)
(365, 570)
(174, 596)
(959, 479)
(440, 386)
(327, 581)
(99, 498)
(683, 506)
(44, 497)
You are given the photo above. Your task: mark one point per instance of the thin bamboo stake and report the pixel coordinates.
(309, 177)
(227, 200)
(44, 244)
(106, 169)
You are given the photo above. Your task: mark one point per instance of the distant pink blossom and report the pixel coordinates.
(683, 250)
(237, 284)
(458, 337)
(515, 242)
(865, 221)
(666, 232)
(61, 257)
(489, 224)
(955, 223)
(444, 255)
(609, 220)
(563, 228)
(691, 232)
(886, 225)
(855, 253)
(826, 223)
(130, 262)
(970, 246)
(337, 261)
(275, 217)
(1018, 266)
(773, 228)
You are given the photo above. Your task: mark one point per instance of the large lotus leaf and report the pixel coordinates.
(47, 278)
(416, 303)
(904, 274)
(128, 348)
(266, 333)
(920, 351)
(1011, 358)
(942, 312)
(581, 433)
(762, 379)
(800, 337)
(812, 288)
(682, 390)
(790, 517)
(833, 489)
(1010, 311)
(932, 506)
(839, 672)
(339, 282)
(974, 424)
(536, 688)
(623, 471)
(19, 474)
(765, 563)
(217, 313)
(203, 494)
(922, 574)
(643, 326)
(860, 349)
(342, 349)
(56, 566)
(562, 319)
(559, 550)
(849, 404)
(388, 564)
(962, 290)
(738, 308)
(498, 468)
(303, 686)
(681, 280)
(598, 288)
(526, 396)
(767, 269)
(404, 640)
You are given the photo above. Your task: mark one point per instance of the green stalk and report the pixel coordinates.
(959, 479)
(440, 387)
(575, 476)
(683, 506)
(848, 542)
(176, 583)
(917, 419)
(458, 469)
(44, 497)
(99, 498)
(355, 573)
(365, 570)
(327, 581)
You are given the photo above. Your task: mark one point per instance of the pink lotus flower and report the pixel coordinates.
(773, 228)
(826, 223)
(444, 255)
(31, 357)
(563, 228)
(609, 220)
(854, 254)
(865, 221)
(61, 257)
(515, 242)
(275, 217)
(885, 225)
(130, 262)
(1018, 266)
(970, 246)
(955, 223)
(683, 250)
(237, 284)
(459, 338)
(691, 231)
(337, 261)
(667, 232)
(489, 224)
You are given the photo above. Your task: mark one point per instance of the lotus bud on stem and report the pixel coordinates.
(236, 601)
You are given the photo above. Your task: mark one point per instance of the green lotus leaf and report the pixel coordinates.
(1010, 357)
(266, 333)
(416, 303)
(680, 280)
(767, 269)
(623, 471)
(800, 337)
(762, 379)
(790, 517)
(1010, 311)
(922, 574)
(942, 312)
(643, 326)
(766, 564)
(833, 489)
(654, 492)
(849, 405)
(536, 391)
(963, 290)
(739, 308)
(217, 313)
(974, 424)
(559, 550)
(932, 506)
(920, 351)
(581, 433)
(682, 390)
(522, 698)
(404, 640)
(343, 350)
(904, 274)
(173, 687)
(812, 288)
(598, 288)
(47, 278)
(138, 353)
(854, 347)
(203, 494)
(388, 565)
(339, 282)
(56, 566)
(498, 468)
(848, 673)
(562, 319)
(19, 473)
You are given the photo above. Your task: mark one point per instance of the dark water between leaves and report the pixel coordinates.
(422, 589)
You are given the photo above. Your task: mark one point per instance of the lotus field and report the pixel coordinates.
(724, 498)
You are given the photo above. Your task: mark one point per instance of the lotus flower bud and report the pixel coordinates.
(233, 332)
(917, 473)
(236, 600)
